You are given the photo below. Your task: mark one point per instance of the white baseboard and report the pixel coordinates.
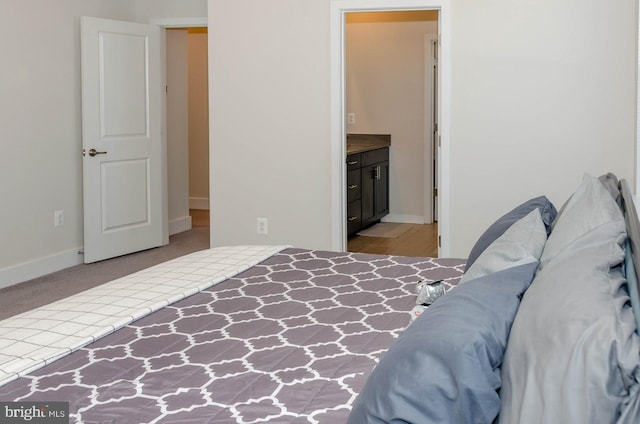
(199, 203)
(42, 266)
(38, 267)
(179, 225)
(404, 219)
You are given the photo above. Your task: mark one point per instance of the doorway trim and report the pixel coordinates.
(338, 124)
(430, 136)
(180, 224)
(179, 22)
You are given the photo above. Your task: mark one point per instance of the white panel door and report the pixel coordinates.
(122, 140)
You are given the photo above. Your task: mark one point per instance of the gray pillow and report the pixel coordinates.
(632, 248)
(445, 367)
(610, 182)
(589, 207)
(519, 244)
(547, 211)
(632, 284)
(572, 356)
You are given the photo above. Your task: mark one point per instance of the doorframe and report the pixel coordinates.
(194, 22)
(164, 24)
(338, 103)
(429, 97)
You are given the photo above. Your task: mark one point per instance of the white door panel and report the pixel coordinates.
(125, 183)
(123, 94)
(124, 200)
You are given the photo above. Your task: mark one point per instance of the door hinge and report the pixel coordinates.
(435, 192)
(435, 127)
(439, 241)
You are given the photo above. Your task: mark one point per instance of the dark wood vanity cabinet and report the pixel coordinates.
(354, 193)
(367, 188)
(375, 193)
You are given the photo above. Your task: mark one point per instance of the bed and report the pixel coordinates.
(290, 339)
(250, 334)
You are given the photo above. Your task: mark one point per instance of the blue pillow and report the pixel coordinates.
(547, 211)
(445, 367)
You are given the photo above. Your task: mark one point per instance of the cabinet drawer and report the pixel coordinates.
(353, 185)
(354, 219)
(353, 161)
(375, 156)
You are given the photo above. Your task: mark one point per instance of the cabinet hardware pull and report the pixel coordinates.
(352, 186)
(378, 172)
(352, 218)
(353, 162)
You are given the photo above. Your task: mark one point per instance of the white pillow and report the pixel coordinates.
(521, 244)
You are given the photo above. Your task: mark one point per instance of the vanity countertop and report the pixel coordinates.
(358, 143)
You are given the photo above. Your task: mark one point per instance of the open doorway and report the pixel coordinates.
(187, 129)
(389, 89)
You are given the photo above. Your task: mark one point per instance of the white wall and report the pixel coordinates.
(177, 70)
(541, 92)
(198, 120)
(149, 9)
(269, 126)
(40, 126)
(385, 88)
(40, 130)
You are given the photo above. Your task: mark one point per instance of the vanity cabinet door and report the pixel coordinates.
(367, 188)
(381, 183)
(368, 195)
(375, 186)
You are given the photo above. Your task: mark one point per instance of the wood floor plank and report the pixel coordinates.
(199, 217)
(418, 240)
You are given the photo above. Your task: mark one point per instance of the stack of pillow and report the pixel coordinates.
(445, 367)
(572, 354)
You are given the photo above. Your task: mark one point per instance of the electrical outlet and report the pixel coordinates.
(263, 226)
(58, 218)
(351, 118)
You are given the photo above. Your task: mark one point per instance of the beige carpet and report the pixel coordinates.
(49, 288)
(385, 229)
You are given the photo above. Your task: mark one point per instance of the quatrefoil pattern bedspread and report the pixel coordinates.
(290, 340)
